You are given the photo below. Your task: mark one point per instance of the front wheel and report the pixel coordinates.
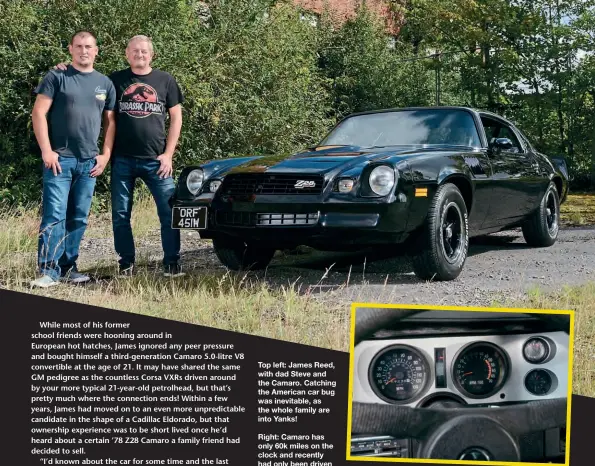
(444, 239)
(542, 227)
(236, 254)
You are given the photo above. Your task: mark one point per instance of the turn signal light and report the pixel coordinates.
(345, 185)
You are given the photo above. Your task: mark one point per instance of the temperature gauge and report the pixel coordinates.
(440, 356)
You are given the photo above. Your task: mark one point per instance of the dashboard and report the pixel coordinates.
(467, 369)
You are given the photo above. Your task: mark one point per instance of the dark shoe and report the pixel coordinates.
(75, 277)
(126, 270)
(173, 270)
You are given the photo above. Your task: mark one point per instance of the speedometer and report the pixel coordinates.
(480, 370)
(399, 374)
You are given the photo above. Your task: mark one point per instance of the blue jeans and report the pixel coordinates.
(125, 171)
(65, 208)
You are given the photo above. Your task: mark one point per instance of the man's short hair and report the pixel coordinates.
(82, 34)
(142, 38)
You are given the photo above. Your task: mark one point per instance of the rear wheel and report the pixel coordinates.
(444, 240)
(236, 254)
(542, 227)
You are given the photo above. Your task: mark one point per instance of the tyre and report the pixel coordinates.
(444, 239)
(236, 254)
(542, 227)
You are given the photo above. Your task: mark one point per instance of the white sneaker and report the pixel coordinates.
(45, 281)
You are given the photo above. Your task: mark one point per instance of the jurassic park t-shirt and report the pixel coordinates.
(142, 103)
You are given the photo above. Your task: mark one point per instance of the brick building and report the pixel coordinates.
(342, 10)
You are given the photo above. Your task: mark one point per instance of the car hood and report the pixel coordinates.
(323, 160)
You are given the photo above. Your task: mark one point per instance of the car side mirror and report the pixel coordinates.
(501, 144)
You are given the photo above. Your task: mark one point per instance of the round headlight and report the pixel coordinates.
(194, 180)
(382, 180)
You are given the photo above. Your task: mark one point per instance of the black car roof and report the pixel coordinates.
(400, 109)
(475, 111)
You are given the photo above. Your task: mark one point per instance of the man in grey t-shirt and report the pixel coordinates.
(67, 120)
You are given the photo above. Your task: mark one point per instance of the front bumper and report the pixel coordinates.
(286, 221)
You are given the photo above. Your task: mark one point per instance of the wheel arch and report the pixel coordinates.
(464, 185)
(559, 186)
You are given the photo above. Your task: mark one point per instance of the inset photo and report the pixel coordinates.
(460, 385)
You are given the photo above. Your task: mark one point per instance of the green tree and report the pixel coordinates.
(367, 73)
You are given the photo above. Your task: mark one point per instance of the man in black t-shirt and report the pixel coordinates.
(144, 98)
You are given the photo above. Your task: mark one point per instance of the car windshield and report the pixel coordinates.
(406, 127)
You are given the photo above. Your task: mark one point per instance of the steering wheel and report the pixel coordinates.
(453, 432)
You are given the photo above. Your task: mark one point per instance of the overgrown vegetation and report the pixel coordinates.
(258, 79)
(578, 210)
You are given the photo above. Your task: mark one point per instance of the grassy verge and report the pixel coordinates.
(578, 210)
(226, 301)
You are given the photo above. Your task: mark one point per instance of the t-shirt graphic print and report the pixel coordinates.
(140, 100)
(142, 107)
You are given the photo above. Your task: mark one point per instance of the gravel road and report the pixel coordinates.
(499, 267)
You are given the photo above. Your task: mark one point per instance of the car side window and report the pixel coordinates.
(507, 132)
(495, 129)
(491, 128)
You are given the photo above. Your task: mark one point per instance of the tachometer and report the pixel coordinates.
(399, 374)
(480, 370)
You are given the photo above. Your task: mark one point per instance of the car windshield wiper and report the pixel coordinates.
(329, 145)
(390, 145)
(423, 146)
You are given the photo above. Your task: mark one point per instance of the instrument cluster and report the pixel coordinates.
(471, 370)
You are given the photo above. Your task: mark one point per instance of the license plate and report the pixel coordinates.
(194, 218)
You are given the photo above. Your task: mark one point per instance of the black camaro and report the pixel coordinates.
(426, 177)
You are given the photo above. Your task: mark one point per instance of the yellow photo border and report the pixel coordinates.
(355, 306)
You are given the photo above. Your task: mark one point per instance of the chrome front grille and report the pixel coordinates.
(287, 219)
